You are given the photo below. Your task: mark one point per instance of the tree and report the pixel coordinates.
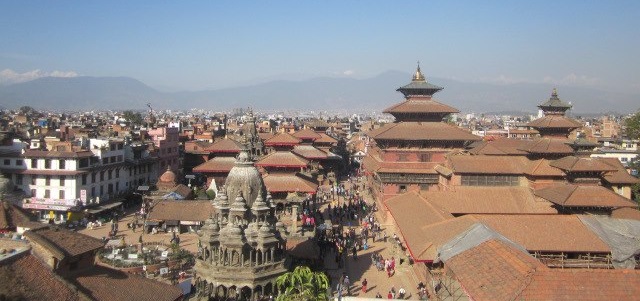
(303, 284)
(133, 118)
(632, 125)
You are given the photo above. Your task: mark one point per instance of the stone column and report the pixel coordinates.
(294, 219)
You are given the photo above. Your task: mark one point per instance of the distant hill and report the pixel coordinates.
(366, 95)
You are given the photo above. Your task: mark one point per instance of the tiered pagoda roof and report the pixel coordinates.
(554, 122)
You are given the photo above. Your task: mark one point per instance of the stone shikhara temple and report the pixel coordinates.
(242, 247)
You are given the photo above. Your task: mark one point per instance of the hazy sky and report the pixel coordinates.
(212, 44)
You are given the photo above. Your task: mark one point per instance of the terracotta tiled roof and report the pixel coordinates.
(282, 139)
(511, 165)
(106, 284)
(421, 131)
(50, 172)
(569, 195)
(542, 167)
(372, 164)
(306, 134)
(282, 159)
(550, 233)
(309, 152)
(225, 146)
(575, 164)
(494, 270)
(547, 146)
(181, 210)
(488, 200)
(411, 209)
(288, 183)
(420, 105)
(620, 174)
(501, 146)
(62, 242)
(217, 164)
(425, 241)
(626, 213)
(554, 121)
(583, 284)
(12, 216)
(27, 278)
(324, 138)
(318, 123)
(265, 136)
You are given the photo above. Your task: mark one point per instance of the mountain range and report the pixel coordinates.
(323, 93)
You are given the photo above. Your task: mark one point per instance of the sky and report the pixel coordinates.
(194, 45)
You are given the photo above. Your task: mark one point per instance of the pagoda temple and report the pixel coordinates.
(405, 154)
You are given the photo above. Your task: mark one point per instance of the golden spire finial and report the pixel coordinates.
(554, 93)
(418, 75)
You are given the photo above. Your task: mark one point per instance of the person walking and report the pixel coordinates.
(364, 285)
(346, 284)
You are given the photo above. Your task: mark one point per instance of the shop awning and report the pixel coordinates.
(104, 207)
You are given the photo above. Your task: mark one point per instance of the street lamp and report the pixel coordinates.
(190, 177)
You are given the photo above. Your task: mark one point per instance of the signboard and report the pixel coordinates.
(44, 207)
(133, 256)
(189, 223)
(83, 195)
(164, 271)
(58, 202)
(165, 254)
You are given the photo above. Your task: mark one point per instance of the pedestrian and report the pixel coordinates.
(354, 251)
(347, 284)
(393, 292)
(401, 293)
(364, 285)
(389, 295)
(378, 296)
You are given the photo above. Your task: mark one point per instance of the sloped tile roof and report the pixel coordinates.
(501, 146)
(282, 159)
(570, 195)
(282, 139)
(547, 146)
(417, 131)
(626, 213)
(217, 164)
(63, 242)
(489, 200)
(225, 146)
(288, 183)
(309, 152)
(181, 210)
(324, 138)
(554, 121)
(575, 164)
(494, 270)
(420, 105)
(306, 134)
(27, 278)
(105, 284)
(542, 167)
(511, 165)
(546, 233)
(620, 174)
(583, 284)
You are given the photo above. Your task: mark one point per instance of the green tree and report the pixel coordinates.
(303, 285)
(133, 118)
(632, 125)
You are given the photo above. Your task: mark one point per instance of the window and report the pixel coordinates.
(105, 160)
(102, 176)
(62, 164)
(113, 159)
(402, 157)
(34, 163)
(118, 173)
(84, 179)
(93, 192)
(84, 162)
(61, 194)
(425, 157)
(19, 162)
(33, 192)
(424, 187)
(18, 179)
(6, 162)
(110, 174)
(489, 180)
(402, 189)
(62, 179)
(46, 194)
(101, 190)
(33, 179)
(47, 180)
(624, 159)
(120, 158)
(47, 164)
(93, 177)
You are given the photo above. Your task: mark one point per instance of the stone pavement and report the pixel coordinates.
(363, 268)
(188, 241)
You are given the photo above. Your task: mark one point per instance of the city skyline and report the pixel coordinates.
(204, 45)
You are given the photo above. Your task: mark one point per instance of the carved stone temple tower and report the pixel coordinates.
(241, 247)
